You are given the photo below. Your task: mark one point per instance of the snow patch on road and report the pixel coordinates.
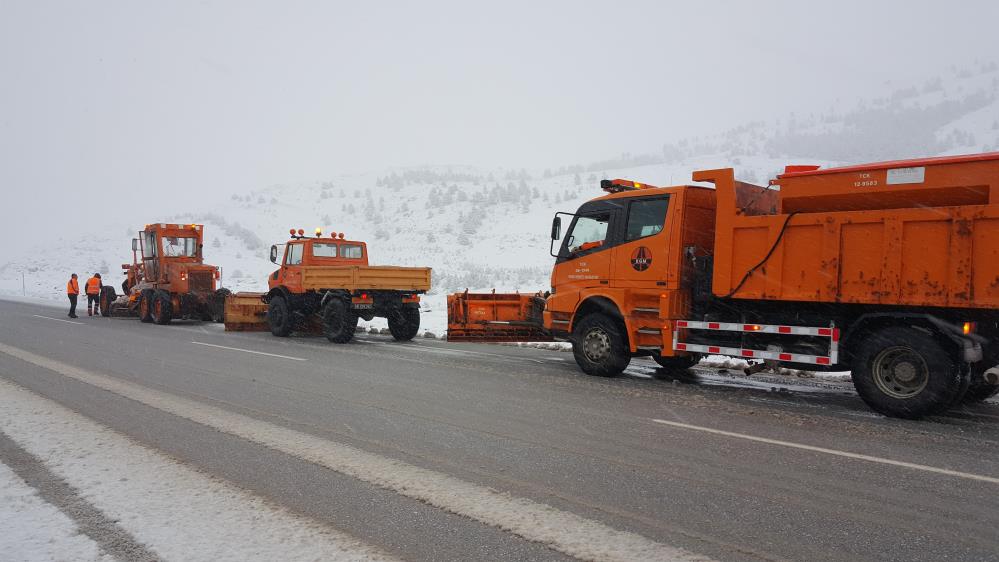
(35, 530)
(176, 511)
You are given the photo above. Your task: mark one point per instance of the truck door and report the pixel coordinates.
(291, 268)
(585, 257)
(150, 256)
(642, 258)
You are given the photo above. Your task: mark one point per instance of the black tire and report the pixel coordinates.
(978, 389)
(600, 346)
(279, 317)
(404, 323)
(671, 367)
(162, 308)
(146, 305)
(906, 373)
(107, 297)
(216, 306)
(339, 321)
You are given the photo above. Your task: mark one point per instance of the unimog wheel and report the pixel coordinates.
(279, 317)
(673, 366)
(339, 321)
(216, 306)
(904, 372)
(599, 346)
(162, 308)
(107, 297)
(146, 305)
(404, 323)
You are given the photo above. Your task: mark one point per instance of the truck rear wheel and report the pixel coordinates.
(672, 366)
(146, 305)
(599, 346)
(162, 307)
(906, 373)
(107, 297)
(216, 306)
(404, 323)
(279, 317)
(339, 321)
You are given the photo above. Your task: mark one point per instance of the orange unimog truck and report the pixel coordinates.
(888, 270)
(167, 278)
(326, 283)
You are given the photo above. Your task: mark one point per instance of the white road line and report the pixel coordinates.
(58, 319)
(563, 531)
(249, 351)
(176, 511)
(846, 454)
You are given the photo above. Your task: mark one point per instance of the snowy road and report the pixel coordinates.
(120, 440)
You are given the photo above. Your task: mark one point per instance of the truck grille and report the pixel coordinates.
(200, 281)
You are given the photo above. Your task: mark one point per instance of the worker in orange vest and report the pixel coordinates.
(72, 291)
(94, 294)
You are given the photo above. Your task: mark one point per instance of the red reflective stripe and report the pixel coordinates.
(825, 331)
(714, 350)
(835, 335)
(681, 346)
(822, 360)
(785, 356)
(747, 352)
(713, 325)
(681, 324)
(784, 329)
(749, 327)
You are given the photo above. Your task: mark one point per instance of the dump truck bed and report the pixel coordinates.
(366, 278)
(909, 233)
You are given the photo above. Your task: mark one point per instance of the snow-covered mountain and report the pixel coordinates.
(488, 228)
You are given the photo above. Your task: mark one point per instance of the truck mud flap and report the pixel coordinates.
(246, 312)
(496, 317)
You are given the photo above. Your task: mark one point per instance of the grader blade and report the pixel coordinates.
(246, 312)
(496, 317)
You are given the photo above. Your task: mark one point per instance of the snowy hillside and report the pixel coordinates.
(482, 229)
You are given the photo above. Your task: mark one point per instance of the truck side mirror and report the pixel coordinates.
(274, 254)
(135, 244)
(556, 227)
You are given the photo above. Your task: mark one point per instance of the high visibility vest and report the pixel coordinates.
(93, 286)
(72, 288)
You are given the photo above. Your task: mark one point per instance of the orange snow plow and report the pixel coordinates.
(246, 312)
(496, 317)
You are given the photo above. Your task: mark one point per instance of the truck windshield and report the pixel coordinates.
(180, 246)
(324, 250)
(588, 233)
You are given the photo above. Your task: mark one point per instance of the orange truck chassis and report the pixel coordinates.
(889, 270)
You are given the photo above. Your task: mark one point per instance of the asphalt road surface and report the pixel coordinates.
(187, 442)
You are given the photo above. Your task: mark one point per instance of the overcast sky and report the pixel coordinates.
(152, 103)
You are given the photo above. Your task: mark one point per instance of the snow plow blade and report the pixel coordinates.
(496, 317)
(246, 312)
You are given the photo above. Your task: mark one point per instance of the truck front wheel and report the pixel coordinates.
(599, 346)
(279, 317)
(146, 305)
(339, 321)
(404, 323)
(905, 373)
(162, 307)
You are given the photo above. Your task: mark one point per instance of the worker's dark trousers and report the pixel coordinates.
(72, 305)
(93, 301)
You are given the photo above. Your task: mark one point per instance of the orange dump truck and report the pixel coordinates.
(889, 270)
